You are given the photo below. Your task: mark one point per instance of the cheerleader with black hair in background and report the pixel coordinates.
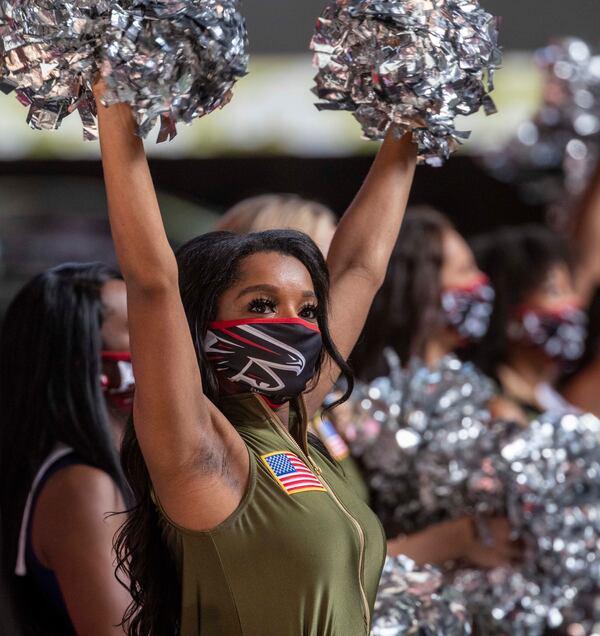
(433, 272)
(65, 394)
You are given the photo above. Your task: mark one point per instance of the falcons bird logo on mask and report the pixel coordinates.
(274, 357)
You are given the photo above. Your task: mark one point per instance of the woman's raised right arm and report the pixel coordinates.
(187, 444)
(585, 239)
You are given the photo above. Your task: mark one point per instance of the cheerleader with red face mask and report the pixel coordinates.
(241, 526)
(63, 378)
(434, 272)
(538, 329)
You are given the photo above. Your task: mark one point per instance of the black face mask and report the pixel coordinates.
(560, 334)
(271, 356)
(468, 310)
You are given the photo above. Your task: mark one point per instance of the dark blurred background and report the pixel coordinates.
(270, 138)
(278, 26)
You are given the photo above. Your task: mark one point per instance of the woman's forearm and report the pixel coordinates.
(442, 542)
(586, 239)
(369, 229)
(145, 256)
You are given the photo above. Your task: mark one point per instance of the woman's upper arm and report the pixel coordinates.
(191, 450)
(361, 248)
(171, 414)
(350, 302)
(175, 423)
(73, 534)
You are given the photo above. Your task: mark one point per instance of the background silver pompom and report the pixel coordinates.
(438, 454)
(425, 464)
(409, 65)
(553, 155)
(415, 601)
(173, 60)
(552, 475)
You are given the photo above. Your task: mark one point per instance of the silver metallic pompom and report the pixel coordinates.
(48, 55)
(552, 473)
(173, 60)
(170, 60)
(425, 461)
(407, 65)
(415, 601)
(552, 156)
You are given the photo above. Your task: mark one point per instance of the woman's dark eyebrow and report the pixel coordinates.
(271, 289)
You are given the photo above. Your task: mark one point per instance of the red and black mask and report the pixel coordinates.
(561, 333)
(468, 309)
(118, 383)
(274, 357)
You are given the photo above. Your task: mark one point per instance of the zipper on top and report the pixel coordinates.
(361, 534)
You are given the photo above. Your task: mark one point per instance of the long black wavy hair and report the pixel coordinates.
(50, 392)
(517, 260)
(407, 307)
(208, 266)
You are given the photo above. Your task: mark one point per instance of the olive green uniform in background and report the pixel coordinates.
(303, 564)
(339, 450)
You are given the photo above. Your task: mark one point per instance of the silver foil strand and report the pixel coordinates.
(407, 65)
(170, 60)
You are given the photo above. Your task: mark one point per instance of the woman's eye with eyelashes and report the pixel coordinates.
(262, 306)
(308, 312)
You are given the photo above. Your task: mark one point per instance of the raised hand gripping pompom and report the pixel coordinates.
(173, 60)
(407, 65)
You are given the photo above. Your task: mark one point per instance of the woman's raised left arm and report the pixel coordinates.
(362, 247)
(586, 240)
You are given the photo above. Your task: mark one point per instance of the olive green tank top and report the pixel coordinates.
(302, 554)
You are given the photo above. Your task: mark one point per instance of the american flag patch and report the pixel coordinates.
(292, 474)
(332, 440)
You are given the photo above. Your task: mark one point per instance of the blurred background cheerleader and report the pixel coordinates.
(538, 325)
(580, 387)
(282, 212)
(65, 393)
(433, 272)
(542, 344)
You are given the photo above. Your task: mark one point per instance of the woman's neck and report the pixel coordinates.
(435, 350)
(283, 414)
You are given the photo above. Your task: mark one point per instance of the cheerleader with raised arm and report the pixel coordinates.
(240, 526)
(65, 395)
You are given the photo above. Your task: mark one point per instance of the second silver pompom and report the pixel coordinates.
(408, 65)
